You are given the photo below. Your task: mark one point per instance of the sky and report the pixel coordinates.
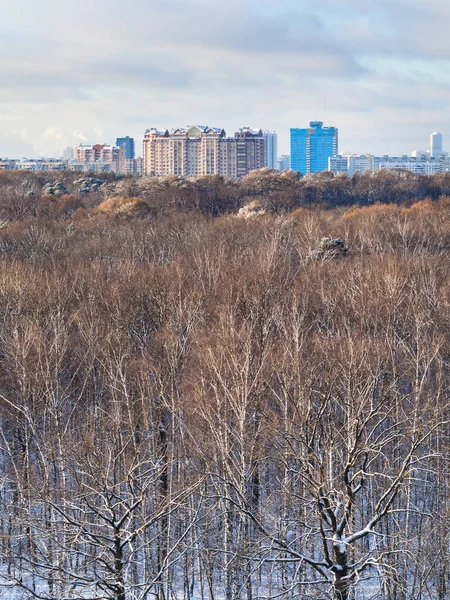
(88, 71)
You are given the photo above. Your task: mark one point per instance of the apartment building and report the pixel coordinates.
(40, 164)
(420, 165)
(127, 143)
(202, 150)
(360, 163)
(350, 163)
(417, 165)
(104, 153)
(6, 164)
(271, 149)
(133, 167)
(69, 153)
(338, 164)
(94, 166)
(250, 150)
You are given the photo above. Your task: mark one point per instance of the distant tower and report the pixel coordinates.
(271, 146)
(69, 153)
(436, 144)
(311, 148)
(284, 162)
(128, 144)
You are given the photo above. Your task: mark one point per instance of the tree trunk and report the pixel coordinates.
(342, 589)
(119, 588)
(164, 490)
(343, 584)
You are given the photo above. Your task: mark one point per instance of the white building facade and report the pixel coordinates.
(338, 164)
(420, 165)
(436, 144)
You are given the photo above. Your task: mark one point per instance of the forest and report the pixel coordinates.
(215, 390)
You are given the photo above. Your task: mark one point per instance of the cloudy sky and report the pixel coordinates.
(76, 71)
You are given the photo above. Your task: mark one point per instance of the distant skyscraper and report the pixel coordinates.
(69, 153)
(323, 143)
(311, 148)
(128, 144)
(436, 143)
(271, 147)
(299, 142)
(284, 162)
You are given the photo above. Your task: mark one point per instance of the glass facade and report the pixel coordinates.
(311, 148)
(298, 150)
(128, 144)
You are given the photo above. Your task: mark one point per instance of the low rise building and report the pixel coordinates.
(420, 165)
(6, 164)
(40, 164)
(360, 163)
(338, 164)
(93, 166)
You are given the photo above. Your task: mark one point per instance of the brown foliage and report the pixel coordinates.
(187, 346)
(118, 206)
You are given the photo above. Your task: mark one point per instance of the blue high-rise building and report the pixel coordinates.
(312, 147)
(299, 142)
(128, 144)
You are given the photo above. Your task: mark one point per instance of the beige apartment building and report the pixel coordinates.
(102, 153)
(199, 150)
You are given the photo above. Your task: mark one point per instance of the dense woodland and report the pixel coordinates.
(203, 399)
(24, 195)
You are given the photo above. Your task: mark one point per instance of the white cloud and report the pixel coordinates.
(53, 132)
(78, 135)
(94, 71)
(21, 134)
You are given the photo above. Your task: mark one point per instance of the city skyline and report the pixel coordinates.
(199, 150)
(273, 135)
(378, 73)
